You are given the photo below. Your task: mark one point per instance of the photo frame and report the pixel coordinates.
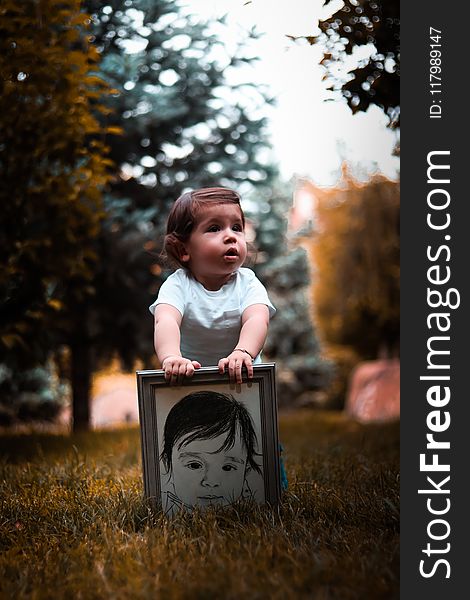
(207, 441)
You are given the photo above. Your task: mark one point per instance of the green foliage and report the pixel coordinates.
(357, 253)
(184, 125)
(52, 174)
(74, 521)
(375, 80)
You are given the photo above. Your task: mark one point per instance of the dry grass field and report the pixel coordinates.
(74, 523)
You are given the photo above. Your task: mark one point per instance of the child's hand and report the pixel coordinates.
(177, 368)
(236, 361)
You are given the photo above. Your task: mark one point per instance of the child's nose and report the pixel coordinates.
(210, 479)
(229, 235)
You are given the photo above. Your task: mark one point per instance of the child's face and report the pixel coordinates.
(217, 245)
(202, 476)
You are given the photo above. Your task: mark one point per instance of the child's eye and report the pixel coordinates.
(213, 228)
(237, 227)
(193, 465)
(229, 468)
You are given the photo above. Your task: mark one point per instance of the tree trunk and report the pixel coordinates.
(81, 385)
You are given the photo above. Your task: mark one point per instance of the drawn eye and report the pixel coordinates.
(229, 468)
(193, 465)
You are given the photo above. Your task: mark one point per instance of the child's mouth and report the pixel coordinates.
(231, 255)
(210, 498)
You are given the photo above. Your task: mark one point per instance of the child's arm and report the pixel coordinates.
(167, 344)
(255, 322)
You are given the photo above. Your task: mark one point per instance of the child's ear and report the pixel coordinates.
(247, 493)
(183, 253)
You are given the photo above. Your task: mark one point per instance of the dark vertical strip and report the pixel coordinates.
(81, 384)
(434, 326)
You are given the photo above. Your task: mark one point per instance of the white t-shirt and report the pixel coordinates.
(211, 322)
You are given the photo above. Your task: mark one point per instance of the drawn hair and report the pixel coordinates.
(183, 217)
(205, 415)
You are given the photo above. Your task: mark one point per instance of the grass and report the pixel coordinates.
(74, 523)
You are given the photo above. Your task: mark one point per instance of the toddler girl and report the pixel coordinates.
(211, 311)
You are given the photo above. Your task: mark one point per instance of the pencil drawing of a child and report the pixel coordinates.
(209, 448)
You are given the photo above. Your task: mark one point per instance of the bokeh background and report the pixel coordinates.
(110, 110)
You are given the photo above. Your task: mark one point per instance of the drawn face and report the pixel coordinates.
(217, 245)
(202, 476)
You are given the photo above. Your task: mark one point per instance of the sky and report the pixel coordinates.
(310, 137)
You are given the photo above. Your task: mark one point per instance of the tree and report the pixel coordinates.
(52, 174)
(184, 126)
(356, 249)
(375, 80)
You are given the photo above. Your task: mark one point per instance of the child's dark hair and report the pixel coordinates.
(182, 217)
(206, 415)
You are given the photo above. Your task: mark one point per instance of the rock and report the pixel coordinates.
(374, 391)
